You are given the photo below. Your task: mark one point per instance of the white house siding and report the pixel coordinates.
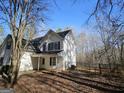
(65, 59)
(26, 62)
(60, 65)
(51, 38)
(57, 67)
(34, 62)
(69, 53)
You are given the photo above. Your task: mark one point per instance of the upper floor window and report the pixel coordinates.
(35, 43)
(1, 61)
(8, 46)
(54, 46)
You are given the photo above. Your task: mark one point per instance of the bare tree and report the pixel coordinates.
(19, 15)
(87, 47)
(109, 15)
(1, 34)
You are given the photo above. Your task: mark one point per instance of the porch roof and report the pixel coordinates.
(42, 55)
(46, 53)
(51, 52)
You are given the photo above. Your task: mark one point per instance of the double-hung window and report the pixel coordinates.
(52, 61)
(54, 46)
(8, 46)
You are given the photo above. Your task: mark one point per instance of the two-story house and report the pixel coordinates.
(54, 51)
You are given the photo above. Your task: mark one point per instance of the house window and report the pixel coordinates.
(43, 61)
(58, 45)
(52, 61)
(8, 46)
(1, 61)
(50, 46)
(54, 46)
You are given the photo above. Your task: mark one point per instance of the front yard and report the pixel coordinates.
(66, 82)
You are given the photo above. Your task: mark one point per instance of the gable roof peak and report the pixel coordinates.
(50, 30)
(64, 33)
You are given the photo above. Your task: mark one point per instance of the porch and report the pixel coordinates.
(47, 61)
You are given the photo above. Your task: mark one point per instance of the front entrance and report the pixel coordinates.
(38, 63)
(47, 61)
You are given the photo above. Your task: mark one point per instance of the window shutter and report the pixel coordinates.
(43, 61)
(59, 45)
(49, 46)
(50, 61)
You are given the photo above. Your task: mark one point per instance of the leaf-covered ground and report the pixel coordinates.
(67, 82)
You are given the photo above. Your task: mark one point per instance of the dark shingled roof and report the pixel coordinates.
(36, 42)
(37, 39)
(51, 52)
(64, 33)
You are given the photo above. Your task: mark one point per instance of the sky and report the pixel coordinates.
(67, 13)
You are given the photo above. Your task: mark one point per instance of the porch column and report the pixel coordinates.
(56, 63)
(38, 63)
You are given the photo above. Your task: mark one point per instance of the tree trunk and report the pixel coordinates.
(15, 67)
(14, 72)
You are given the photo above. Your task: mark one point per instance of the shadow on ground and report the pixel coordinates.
(67, 82)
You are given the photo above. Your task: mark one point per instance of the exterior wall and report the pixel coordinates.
(51, 38)
(57, 67)
(26, 62)
(47, 63)
(69, 53)
(69, 50)
(34, 63)
(64, 59)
